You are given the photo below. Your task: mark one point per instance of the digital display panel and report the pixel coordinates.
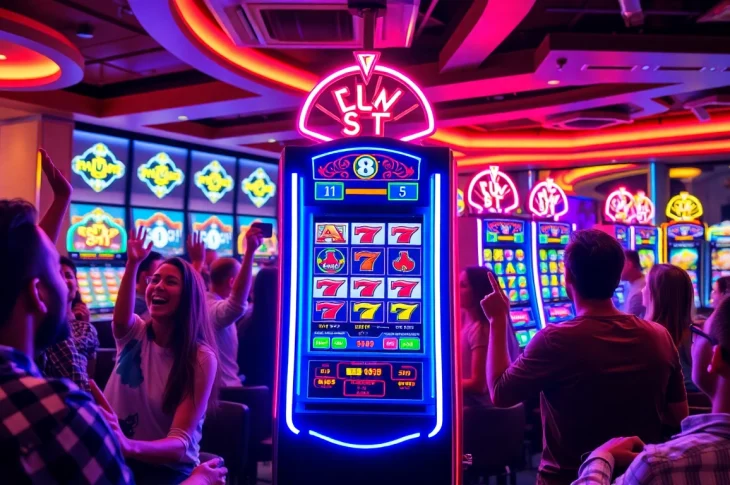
(97, 232)
(99, 167)
(505, 250)
(646, 243)
(550, 239)
(212, 182)
(164, 229)
(367, 286)
(258, 191)
(685, 243)
(719, 238)
(268, 250)
(99, 286)
(216, 231)
(622, 236)
(158, 176)
(365, 380)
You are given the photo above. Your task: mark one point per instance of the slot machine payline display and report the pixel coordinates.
(366, 366)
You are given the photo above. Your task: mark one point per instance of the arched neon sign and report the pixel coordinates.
(366, 99)
(619, 206)
(493, 191)
(684, 207)
(548, 200)
(643, 208)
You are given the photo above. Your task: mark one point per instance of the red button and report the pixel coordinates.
(390, 343)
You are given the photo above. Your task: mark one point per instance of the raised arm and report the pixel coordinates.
(124, 307)
(196, 251)
(242, 283)
(53, 218)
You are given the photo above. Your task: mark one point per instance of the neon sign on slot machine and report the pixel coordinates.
(548, 203)
(503, 245)
(684, 239)
(366, 366)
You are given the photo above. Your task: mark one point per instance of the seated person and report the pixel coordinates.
(634, 276)
(73, 357)
(165, 371)
(669, 300)
(230, 284)
(474, 285)
(147, 268)
(699, 453)
(601, 374)
(720, 290)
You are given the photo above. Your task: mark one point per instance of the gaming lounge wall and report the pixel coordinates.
(122, 183)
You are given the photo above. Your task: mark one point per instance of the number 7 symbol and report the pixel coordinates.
(369, 258)
(403, 311)
(367, 310)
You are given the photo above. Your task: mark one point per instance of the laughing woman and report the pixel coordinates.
(165, 372)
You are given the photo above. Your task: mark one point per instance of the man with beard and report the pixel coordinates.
(50, 431)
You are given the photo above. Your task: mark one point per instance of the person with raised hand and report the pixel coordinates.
(165, 372)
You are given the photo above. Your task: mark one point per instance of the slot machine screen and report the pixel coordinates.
(99, 286)
(269, 249)
(97, 233)
(505, 250)
(687, 258)
(164, 229)
(719, 244)
(216, 230)
(646, 243)
(647, 258)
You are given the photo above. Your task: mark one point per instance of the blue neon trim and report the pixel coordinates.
(652, 183)
(437, 305)
(292, 306)
(303, 217)
(364, 447)
(380, 149)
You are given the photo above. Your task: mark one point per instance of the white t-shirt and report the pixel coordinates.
(223, 316)
(136, 389)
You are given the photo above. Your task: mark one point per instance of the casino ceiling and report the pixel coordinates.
(544, 83)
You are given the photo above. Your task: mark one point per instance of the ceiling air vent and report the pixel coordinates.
(311, 24)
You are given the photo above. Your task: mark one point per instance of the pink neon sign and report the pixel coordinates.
(624, 207)
(548, 200)
(493, 191)
(366, 99)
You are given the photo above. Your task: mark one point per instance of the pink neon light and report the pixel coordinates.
(337, 75)
(643, 208)
(619, 206)
(545, 198)
(367, 60)
(492, 186)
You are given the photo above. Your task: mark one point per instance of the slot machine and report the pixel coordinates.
(548, 203)
(684, 239)
(164, 229)
(646, 241)
(97, 242)
(267, 254)
(367, 381)
(503, 245)
(718, 237)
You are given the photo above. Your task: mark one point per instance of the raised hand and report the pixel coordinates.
(137, 251)
(60, 186)
(496, 304)
(623, 450)
(211, 472)
(196, 249)
(254, 240)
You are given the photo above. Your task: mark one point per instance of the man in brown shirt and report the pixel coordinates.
(600, 375)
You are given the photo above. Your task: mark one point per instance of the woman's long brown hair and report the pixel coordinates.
(192, 330)
(672, 299)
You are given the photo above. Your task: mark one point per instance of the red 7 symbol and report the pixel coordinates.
(404, 233)
(331, 287)
(329, 309)
(368, 233)
(368, 287)
(405, 288)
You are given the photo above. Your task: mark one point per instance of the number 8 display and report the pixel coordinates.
(366, 166)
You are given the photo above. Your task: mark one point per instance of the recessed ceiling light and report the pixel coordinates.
(3, 57)
(553, 82)
(271, 140)
(85, 31)
(684, 172)
(182, 118)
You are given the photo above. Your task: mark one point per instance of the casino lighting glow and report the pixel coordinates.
(293, 278)
(548, 200)
(437, 305)
(535, 274)
(684, 172)
(493, 188)
(644, 211)
(619, 206)
(364, 447)
(684, 207)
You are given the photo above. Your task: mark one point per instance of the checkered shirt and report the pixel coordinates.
(70, 358)
(699, 455)
(50, 432)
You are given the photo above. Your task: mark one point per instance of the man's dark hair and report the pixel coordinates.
(723, 284)
(20, 251)
(222, 270)
(144, 266)
(633, 257)
(594, 261)
(65, 261)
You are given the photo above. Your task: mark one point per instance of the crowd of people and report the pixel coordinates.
(614, 385)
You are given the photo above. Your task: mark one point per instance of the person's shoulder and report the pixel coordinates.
(206, 354)
(695, 450)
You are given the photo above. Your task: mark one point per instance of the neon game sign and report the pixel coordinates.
(548, 200)
(98, 167)
(684, 207)
(97, 232)
(624, 207)
(259, 187)
(160, 174)
(213, 181)
(366, 99)
(493, 191)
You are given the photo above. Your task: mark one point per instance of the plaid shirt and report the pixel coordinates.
(70, 358)
(50, 432)
(699, 455)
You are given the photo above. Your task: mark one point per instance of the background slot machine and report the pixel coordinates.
(367, 360)
(622, 234)
(505, 249)
(548, 259)
(97, 242)
(268, 253)
(164, 229)
(645, 240)
(216, 231)
(718, 237)
(684, 239)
